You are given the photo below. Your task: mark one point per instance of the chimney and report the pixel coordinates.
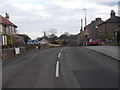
(7, 16)
(98, 19)
(81, 25)
(112, 13)
(92, 21)
(44, 34)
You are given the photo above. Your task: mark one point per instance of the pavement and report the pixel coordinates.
(111, 51)
(0, 75)
(64, 67)
(0, 53)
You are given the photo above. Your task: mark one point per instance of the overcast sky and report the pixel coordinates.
(35, 16)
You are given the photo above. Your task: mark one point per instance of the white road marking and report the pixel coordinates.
(57, 69)
(57, 65)
(59, 55)
(62, 50)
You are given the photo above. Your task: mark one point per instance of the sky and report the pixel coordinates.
(33, 17)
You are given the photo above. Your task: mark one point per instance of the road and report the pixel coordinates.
(69, 67)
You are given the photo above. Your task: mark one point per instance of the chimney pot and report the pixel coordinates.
(7, 16)
(112, 13)
(98, 19)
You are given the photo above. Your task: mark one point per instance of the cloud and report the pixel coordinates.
(28, 7)
(35, 16)
(71, 4)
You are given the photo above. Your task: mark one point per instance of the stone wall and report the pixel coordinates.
(9, 53)
(30, 47)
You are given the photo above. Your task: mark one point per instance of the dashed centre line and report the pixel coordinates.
(62, 49)
(59, 55)
(58, 64)
(57, 69)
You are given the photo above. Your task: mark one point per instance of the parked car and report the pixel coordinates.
(94, 42)
(33, 42)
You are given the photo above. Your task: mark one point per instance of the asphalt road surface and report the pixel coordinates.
(65, 67)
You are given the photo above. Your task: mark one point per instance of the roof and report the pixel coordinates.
(114, 19)
(44, 41)
(5, 21)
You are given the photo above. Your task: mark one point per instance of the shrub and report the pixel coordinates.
(9, 41)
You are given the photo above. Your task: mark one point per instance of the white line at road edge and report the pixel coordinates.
(57, 69)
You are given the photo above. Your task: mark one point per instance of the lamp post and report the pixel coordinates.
(86, 32)
(85, 17)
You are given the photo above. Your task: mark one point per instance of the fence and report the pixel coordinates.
(112, 42)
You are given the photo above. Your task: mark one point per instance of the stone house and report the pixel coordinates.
(108, 27)
(80, 38)
(6, 28)
(92, 29)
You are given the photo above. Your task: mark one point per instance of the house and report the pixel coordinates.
(92, 29)
(6, 28)
(107, 28)
(80, 38)
(44, 41)
(90, 32)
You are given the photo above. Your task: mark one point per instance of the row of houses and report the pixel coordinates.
(7, 28)
(99, 29)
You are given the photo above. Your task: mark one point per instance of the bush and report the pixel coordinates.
(110, 37)
(9, 41)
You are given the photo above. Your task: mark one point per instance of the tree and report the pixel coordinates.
(26, 38)
(65, 43)
(18, 40)
(9, 41)
(52, 33)
(66, 33)
(110, 37)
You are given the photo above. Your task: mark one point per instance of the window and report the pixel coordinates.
(0, 28)
(3, 40)
(0, 39)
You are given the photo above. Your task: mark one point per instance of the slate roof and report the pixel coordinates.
(114, 19)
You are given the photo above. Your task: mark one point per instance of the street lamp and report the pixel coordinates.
(85, 17)
(86, 32)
